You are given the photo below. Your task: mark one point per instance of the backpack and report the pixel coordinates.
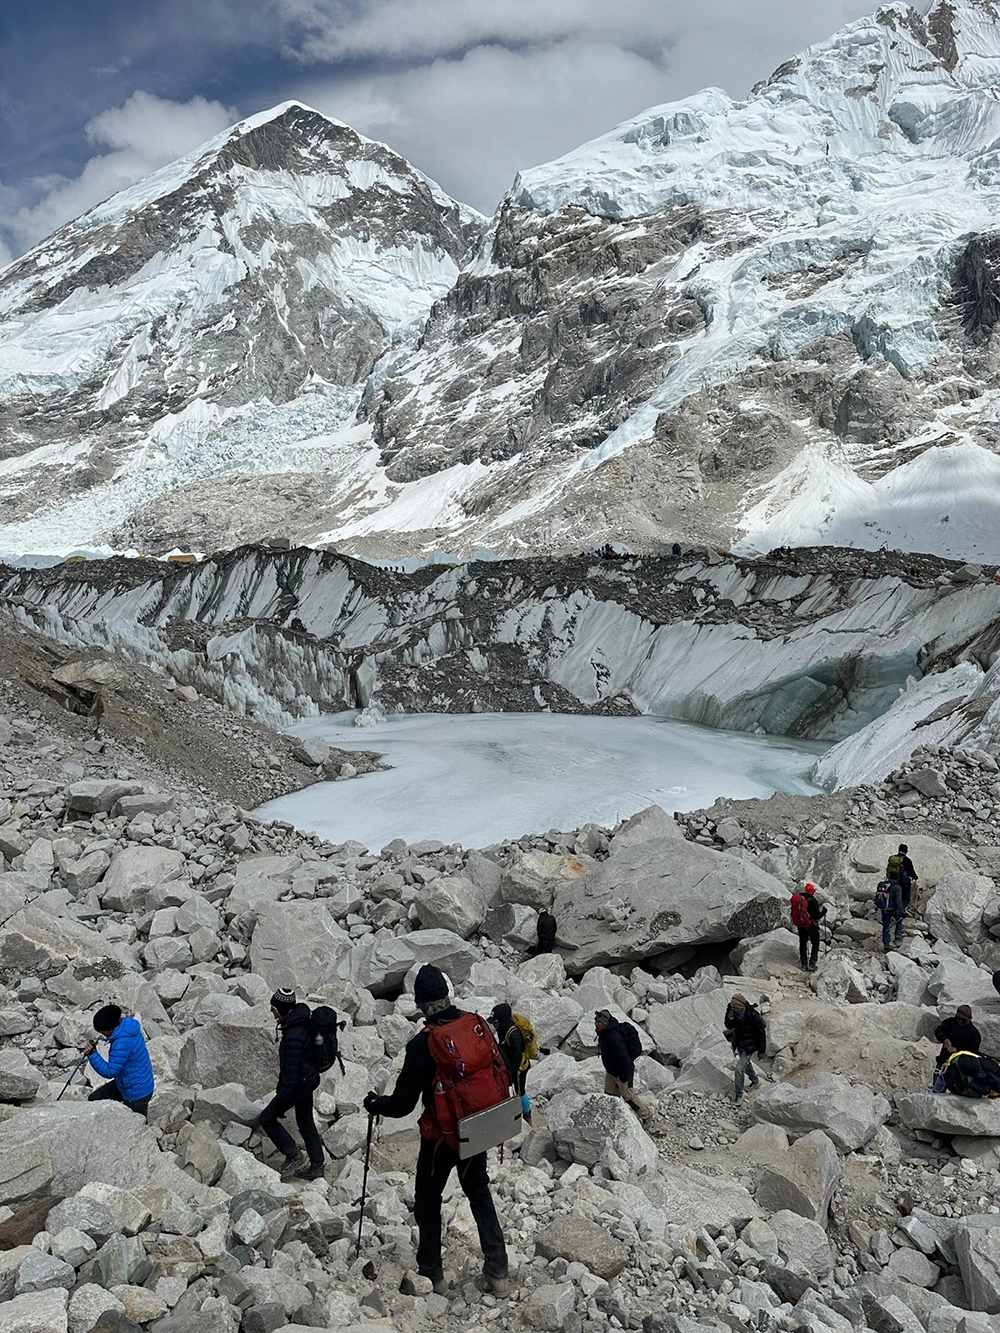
(324, 1029)
(530, 1038)
(800, 911)
(894, 866)
(881, 899)
(633, 1043)
(470, 1076)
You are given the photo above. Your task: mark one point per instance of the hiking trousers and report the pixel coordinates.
(434, 1165)
(744, 1070)
(301, 1101)
(887, 919)
(616, 1087)
(111, 1092)
(808, 936)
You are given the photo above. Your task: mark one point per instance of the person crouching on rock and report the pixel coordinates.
(451, 1028)
(619, 1067)
(960, 1031)
(127, 1066)
(747, 1034)
(297, 1081)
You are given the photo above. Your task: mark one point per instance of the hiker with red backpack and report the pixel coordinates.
(455, 1065)
(806, 916)
(298, 1079)
(619, 1047)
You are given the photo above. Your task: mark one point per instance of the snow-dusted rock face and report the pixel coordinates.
(812, 650)
(767, 322)
(198, 321)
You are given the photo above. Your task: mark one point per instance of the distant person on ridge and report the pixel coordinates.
(806, 916)
(900, 868)
(619, 1061)
(127, 1066)
(746, 1032)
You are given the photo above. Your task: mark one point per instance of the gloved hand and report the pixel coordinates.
(371, 1102)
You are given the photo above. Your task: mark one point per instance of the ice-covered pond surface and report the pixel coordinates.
(475, 779)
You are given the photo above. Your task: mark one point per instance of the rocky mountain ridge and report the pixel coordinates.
(767, 321)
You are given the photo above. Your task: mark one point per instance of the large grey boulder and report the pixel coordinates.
(36, 1312)
(595, 1129)
(452, 903)
(578, 1240)
(942, 1113)
(645, 826)
(19, 1079)
(849, 1113)
(659, 895)
(239, 1049)
(96, 1141)
(693, 1200)
(955, 911)
(955, 981)
(532, 878)
(299, 945)
(680, 1025)
(93, 796)
(25, 1176)
(382, 965)
(868, 856)
(803, 1244)
(977, 1245)
(802, 1179)
(36, 943)
(775, 954)
(135, 872)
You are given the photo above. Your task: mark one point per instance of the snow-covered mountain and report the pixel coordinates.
(753, 323)
(207, 320)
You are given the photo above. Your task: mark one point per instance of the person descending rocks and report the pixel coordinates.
(619, 1047)
(127, 1065)
(447, 1031)
(806, 916)
(746, 1032)
(889, 902)
(960, 1031)
(545, 929)
(900, 868)
(968, 1073)
(297, 1082)
(518, 1046)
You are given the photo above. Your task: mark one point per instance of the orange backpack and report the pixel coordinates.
(470, 1075)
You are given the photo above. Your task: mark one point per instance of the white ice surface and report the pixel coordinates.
(475, 779)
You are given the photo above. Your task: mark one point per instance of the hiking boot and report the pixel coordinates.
(737, 1098)
(313, 1171)
(441, 1287)
(812, 967)
(499, 1286)
(290, 1163)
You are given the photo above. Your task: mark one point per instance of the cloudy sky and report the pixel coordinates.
(96, 95)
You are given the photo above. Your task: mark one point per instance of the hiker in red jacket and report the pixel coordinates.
(806, 916)
(418, 1078)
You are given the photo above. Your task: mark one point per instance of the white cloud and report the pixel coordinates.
(144, 134)
(472, 91)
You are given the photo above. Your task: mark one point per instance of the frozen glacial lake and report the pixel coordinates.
(475, 779)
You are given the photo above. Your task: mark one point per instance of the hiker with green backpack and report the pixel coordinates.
(620, 1047)
(518, 1046)
(900, 869)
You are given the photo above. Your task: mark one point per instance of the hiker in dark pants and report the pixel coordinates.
(418, 1079)
(546, 929)
(510, 1039)
(619, 1067)
(297, 1081)
(127, 1066)
(746, 1032)
(960, 1031)
(892, 911)
(806, 916)
(900, 868)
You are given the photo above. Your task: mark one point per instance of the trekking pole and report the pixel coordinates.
(364, 1183)
(76, 1069)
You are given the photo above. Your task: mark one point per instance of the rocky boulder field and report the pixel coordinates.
(840, 1194)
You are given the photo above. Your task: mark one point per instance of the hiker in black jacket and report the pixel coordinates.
(546, 930)
(297, 1081)
(510, 1039)
(619, 1068)
(747, 1034)
(960, 1031)
(900, 868)
(436, 1158)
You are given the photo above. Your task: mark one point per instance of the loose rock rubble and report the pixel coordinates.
(841, 1194)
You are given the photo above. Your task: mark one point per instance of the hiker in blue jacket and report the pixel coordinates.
(127, 1066)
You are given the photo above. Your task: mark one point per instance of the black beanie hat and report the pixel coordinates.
(283, 1000)
(430, 985)
(107, 1019)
